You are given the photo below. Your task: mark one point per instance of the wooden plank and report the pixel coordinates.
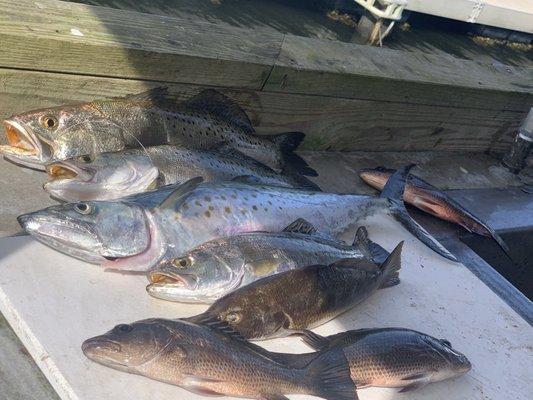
(46, 35)
(329, 123)
(66, 37)
(311, 66)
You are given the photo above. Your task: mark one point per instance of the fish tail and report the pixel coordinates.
(301, 181)
(329, 376)
(391, 267)
(393, 191)
(287, 144)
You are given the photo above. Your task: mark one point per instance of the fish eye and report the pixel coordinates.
(83, 208)
(182, 262)
(85, 159)
(49, 122)
(125, 328)
(233, 317)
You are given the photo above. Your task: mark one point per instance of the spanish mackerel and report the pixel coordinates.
(138, 232)
(208, 120)
(217, 267)
(109, 176)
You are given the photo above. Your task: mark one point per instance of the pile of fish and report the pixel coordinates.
(188, 194)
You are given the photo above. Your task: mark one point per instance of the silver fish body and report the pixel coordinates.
(210, 363)
(215, 268)
(110, 176)
(197, 212)
(208, 120)
(393, 357)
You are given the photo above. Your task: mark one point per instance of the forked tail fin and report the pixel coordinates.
(287, 144)
(393, 191)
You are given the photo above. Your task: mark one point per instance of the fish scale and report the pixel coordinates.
(393, 357)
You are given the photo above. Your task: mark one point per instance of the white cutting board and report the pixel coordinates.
(54, 302)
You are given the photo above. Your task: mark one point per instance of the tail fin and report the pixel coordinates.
(299, 180)
(393, 191)
(329, 376)
(391, 267)
(287, 143)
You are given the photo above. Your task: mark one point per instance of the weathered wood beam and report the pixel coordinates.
(51, 35)
(57, 36)
(329, 123)
(339, 69)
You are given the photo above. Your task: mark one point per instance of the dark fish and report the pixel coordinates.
(211, 363)
(295, 300)
(207, 121)
(430, 199)
(393, 357)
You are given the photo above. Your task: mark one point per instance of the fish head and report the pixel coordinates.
(455, 363)
(105, 176)
(38, 137)
(204, 274)
(91, 231)
(376, 177)
(129, 347)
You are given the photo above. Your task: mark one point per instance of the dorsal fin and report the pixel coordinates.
(181, 192)
(395, 185)
(155, 96)
(301, 226)
(216, 103)
(221, 327)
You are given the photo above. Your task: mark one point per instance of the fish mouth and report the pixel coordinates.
(23, 146)
(66, 171)
(101, 350)
(166, 279)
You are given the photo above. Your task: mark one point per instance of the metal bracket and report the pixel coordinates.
(388, 9)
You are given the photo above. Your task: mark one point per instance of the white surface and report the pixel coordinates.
(509, 14)
(54, 302)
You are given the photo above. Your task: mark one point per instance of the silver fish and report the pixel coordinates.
(137, 233)
(208, 120)
(393, 357)
(110, 176)
(211, 363)
(217, 267)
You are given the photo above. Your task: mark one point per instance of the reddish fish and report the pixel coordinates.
(430, 199)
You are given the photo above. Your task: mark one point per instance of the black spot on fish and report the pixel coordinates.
(207, 198)
(207, 214)
(266, 209)
(198, 203)
(227, 209)
(211, 208)
(185, 206)
(269, 202)
(243, 212)
(255, 208)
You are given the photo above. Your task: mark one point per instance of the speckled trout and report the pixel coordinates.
(208, 120)
(140, 232)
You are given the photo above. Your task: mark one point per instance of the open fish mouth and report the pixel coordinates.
(160, 278)
(63, 170)
(23, 146)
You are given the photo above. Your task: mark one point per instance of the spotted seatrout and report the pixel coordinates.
(393, 357)
(210, 363)
(139, 232)
(209, 120)
(217, 267)
(110, 176)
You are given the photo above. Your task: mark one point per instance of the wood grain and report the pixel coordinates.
(329, 123)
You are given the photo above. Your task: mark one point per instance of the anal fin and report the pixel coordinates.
(273, 397)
